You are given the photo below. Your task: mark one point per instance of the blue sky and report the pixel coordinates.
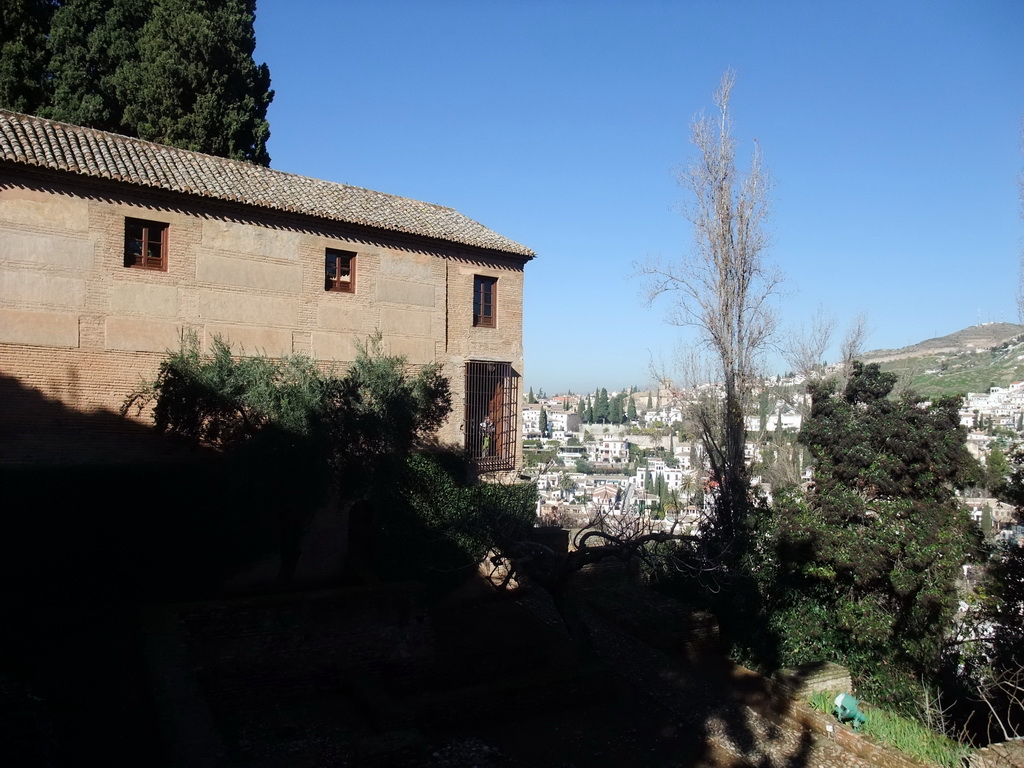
(892, 131)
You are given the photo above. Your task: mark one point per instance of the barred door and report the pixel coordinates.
(492, 400)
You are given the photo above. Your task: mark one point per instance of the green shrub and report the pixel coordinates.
(437, 525)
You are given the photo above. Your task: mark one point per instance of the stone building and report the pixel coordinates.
(112, 247)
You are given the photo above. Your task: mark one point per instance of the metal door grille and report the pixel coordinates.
(492, 399)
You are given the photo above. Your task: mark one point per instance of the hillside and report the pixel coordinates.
(970, 360)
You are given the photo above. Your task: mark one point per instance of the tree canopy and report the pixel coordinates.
(997, 468)
(24, 25)
(602, 408)
(863, 568)
(177, 72)
(1003, 605)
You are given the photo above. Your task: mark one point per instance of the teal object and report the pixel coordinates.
(847, 710)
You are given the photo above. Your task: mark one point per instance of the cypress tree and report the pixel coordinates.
(24, 25)
(615, 414)
(196, 85)
(92, 46)
(661, 487)
(631, 409)
(601, 408)
(997, 468)
(177, 72)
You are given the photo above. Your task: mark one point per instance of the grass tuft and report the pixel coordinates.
(908, 736)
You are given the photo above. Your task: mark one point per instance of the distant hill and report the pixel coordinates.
(971, 360)
(983, 336)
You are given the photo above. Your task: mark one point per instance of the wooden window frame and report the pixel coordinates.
(485, 301)
(142, 232)
(491, 414)
(334, 282)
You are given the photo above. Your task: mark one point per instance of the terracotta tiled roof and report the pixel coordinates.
(88, 152)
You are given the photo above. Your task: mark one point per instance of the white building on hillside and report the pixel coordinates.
(675, 477)
(560, 422)
(609, 449)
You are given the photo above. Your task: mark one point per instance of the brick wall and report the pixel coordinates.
(82, 330)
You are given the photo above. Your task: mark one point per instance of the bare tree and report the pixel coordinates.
(1001, 690)
(1020, 292)
(853, 343)
(722, 288)
(804, 350)
(624, 540)
(1020, 186)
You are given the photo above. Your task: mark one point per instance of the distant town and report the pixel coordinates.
(627, 454)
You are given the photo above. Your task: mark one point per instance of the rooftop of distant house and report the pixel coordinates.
(35, 141)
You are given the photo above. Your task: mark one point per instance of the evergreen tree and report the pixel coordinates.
(601, 407)
(1004, 590)
(24, 25)
(650, 405)
(92, 47)
(177, 72)
(196, 85)
(590, 413)
(864, 570)
(530, 398)
(997, 468)
(615, 414)
(581, 409)
(986, 521)
(543, 422)
(631, 409)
